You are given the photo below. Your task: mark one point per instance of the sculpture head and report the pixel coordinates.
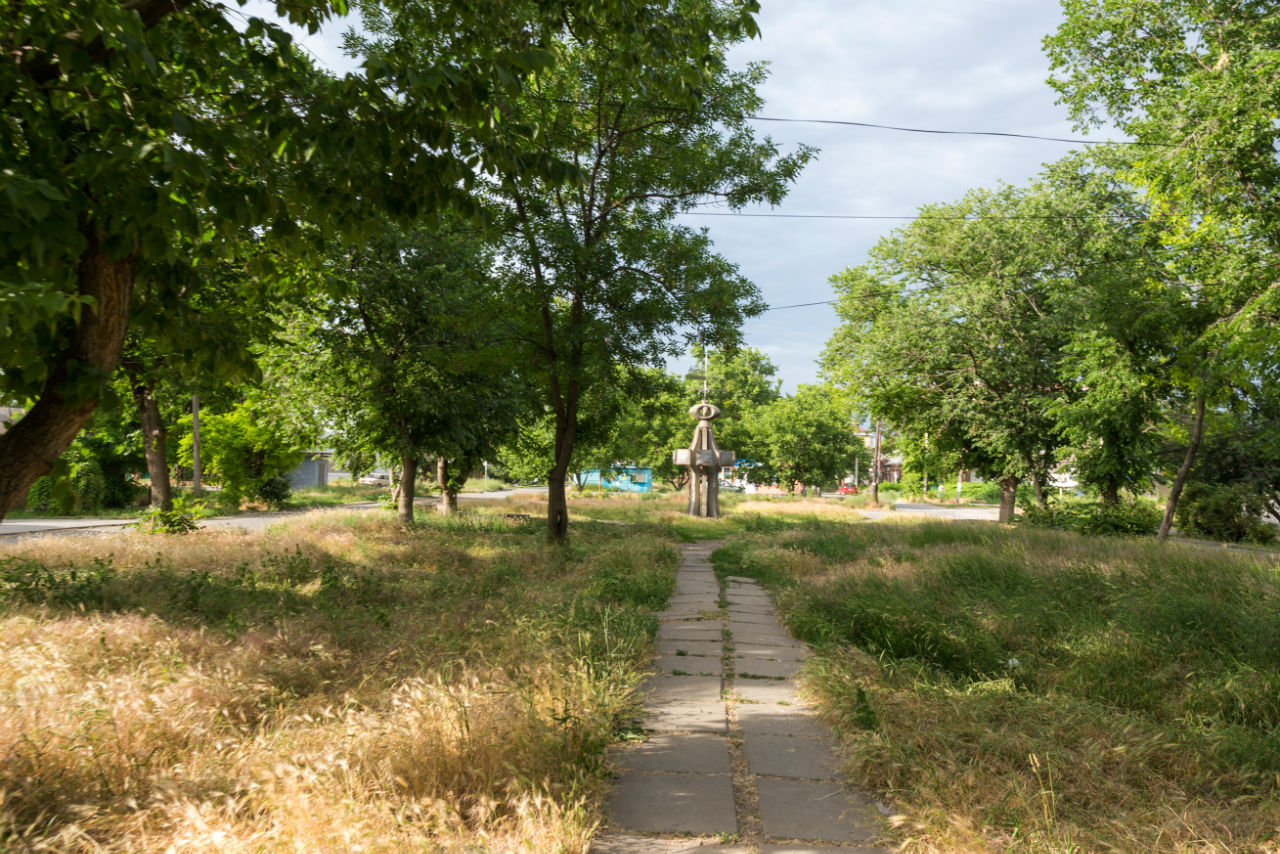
(704, 411)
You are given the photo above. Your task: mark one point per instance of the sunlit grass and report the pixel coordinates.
(1036, 690)
(338, 683)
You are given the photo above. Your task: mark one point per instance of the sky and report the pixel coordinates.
(940, 64)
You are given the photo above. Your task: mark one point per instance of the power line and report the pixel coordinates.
(965, 217)
(937, 131)
(800, 305)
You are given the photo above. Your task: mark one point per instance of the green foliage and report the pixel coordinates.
(606, 277)
(404, 363)
(40, 496)
(1231, 512)
(944, 333)
(1136, 517)
(32, 581)
(616, 580)
(1176, 638)
(183, 518)
(804, 439)
(275, 491)
(244, 449)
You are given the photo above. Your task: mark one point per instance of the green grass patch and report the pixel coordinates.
(1036, 690)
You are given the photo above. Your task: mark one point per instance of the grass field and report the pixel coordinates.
(1023, 690)
(335, 684)
(343, 683)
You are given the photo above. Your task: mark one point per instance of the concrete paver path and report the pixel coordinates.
(735, 760)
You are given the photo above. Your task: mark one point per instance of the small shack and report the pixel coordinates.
(312, 471)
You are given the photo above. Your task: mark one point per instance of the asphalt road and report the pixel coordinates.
(22, 528)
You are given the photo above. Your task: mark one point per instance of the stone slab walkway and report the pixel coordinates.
(735, 760)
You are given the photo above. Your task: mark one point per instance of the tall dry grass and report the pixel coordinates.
(340, 683)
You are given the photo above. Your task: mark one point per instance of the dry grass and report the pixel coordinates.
(1015, 690)
(337, 684)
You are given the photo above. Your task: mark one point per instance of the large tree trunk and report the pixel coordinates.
(154, 440)
(1037, 484)
(557, 500)
(1111, 494)
(29, 448)
(1008, 498)
(448, 489)
(408, 474)
(1180, 479)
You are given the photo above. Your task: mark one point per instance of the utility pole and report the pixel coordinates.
(875, 473)
(195, 444)
(925, 496)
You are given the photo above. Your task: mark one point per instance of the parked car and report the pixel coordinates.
(726, 486)
(848, 489)
(376, 478)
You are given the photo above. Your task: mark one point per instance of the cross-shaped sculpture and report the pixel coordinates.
(704, 461)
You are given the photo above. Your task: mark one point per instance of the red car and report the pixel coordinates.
(848, 489)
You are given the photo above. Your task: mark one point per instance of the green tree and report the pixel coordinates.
(1195, 84)
(946, 332)
(601, 275)
(160, 132)
(247, 449)
(805, 439)
(403, 362)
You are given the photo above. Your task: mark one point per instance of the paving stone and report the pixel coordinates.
(660, 690)
(763, 690)
(764, 667)
(699, 602)
(802, 809)
(686, 717)
(753, 618)
(790, 756)
(690, 665)
(750, 633)
(713, 649)
(775, 652)
(762, 601)
(628, 843)
(794, 721)
(694, 753)
(675, 803)
(802, 848)
(698, 618)
(697, 590)
(738, 579)
(691, 630)
(755, 610)
(684, 613)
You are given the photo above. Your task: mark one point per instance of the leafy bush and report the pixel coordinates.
(40, 495)
(88, 484)
(242, 450)
(182, 519)
(1230, 512)
(1137, 517)
(275, 491)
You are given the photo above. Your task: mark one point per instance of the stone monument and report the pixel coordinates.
(704, 461)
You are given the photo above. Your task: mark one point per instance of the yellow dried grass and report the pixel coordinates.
(124, 731)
